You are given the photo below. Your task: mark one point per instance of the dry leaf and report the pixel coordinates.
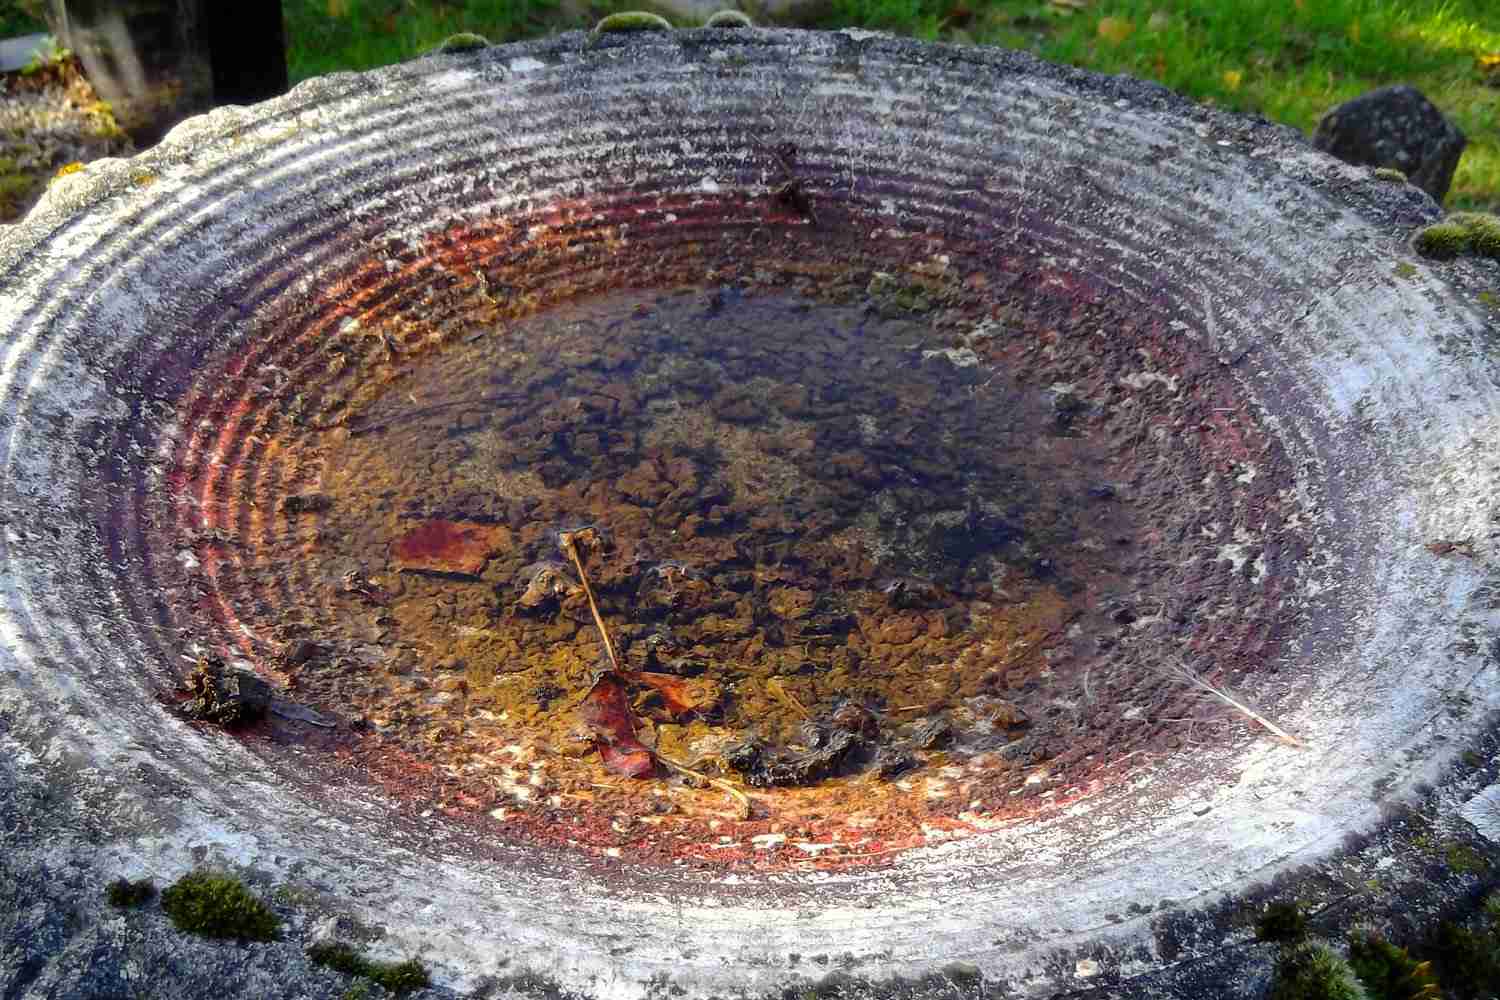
(605, 710)
(1115, 29)
(338, 8)
(1232, 79)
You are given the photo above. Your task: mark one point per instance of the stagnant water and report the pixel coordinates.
(823, 546)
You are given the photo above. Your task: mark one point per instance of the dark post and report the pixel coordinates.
(247, 46)
(159, 61)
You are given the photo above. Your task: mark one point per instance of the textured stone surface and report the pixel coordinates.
(1283, 265)
(1395, 127)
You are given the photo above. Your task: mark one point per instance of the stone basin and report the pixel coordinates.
(212, 351)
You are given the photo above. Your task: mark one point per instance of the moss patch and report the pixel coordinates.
(125, 893)
(218, 906)
(1281, 922)
(397, 977)
(1314, 971)
(1389, 972)
(1461, 233)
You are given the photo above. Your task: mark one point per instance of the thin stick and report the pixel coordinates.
(735, 793)
(775, 686)
(1183, 672)
(609, 647)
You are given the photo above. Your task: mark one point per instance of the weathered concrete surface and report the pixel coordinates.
(1287, 266)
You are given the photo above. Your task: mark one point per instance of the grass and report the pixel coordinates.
(1290, 60)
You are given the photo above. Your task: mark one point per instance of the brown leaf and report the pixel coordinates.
(605, 710)
(675, 691)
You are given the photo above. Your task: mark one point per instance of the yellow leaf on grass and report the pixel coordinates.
(68, 168)
(338, 8)
(1489, 66)
(1232, 79)
(1354, 32)
(1115, 29)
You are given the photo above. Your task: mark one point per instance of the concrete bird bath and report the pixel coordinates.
(1235, 423)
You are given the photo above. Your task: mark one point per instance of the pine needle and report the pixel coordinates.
(740, 797)
(1177, 670)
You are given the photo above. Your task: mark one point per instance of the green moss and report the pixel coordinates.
(1464, 859)
(1467, 962)
(1389, 972)
(1390, 174)
(464, 41)
(1490, 299)
(729, 19)
(1406, 269)
(1314, 971)
(1461, 233)
(396, 977)
(1442, 241)
(1281, 922)
(630, 20)
(125, 893)
(218, 906)
(1484, 232)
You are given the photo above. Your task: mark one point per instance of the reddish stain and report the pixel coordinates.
(449, 546)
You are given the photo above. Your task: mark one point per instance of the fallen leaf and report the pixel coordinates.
(605, 710)
(338, 8)
(1489, 67)
(674, 690)
(1115, 29)
(1232, 79)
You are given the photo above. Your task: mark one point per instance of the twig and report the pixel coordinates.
(739, 796)
(1181, 671)
(565, 541)
(774, 685)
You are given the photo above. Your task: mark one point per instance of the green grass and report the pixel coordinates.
(328, 35)
(1290, 60)
(20, 18)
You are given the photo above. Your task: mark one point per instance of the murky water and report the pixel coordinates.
(827, 545)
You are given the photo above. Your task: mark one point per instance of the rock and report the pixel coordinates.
(1395, 127)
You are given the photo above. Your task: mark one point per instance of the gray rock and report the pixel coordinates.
(1395, 127)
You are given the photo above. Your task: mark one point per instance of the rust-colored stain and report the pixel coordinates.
(453, 547)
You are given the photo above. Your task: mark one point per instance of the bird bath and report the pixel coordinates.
(944, 415)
